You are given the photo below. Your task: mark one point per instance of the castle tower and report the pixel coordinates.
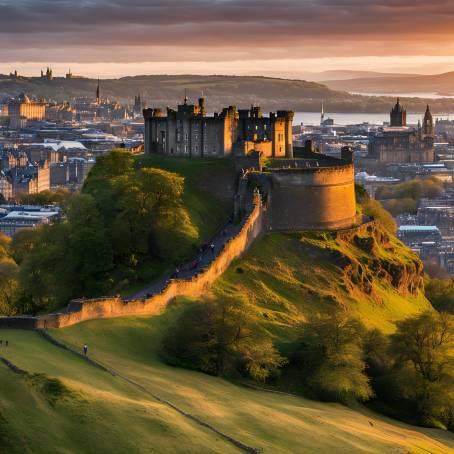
(428, 124)
(398, 115)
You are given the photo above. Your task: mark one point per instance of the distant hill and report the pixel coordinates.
(438, 83)
(220, 91)
(342, 74)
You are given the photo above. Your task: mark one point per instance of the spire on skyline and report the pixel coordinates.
(98, 93)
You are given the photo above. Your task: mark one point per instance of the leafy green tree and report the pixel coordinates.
(440, 292)
(8, 277)
(405, 197)
(42, 281)
(22, 243)
(332, 357)
(65, 260)
(422, 350)
(222, 337)
(47, 197)
(89, 255)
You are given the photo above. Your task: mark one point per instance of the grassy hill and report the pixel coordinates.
(289, 277)
(78, 407)
(220, 91)
(97, 412)
(209, 188)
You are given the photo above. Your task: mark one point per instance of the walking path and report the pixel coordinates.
(206, 254)
(197, 264)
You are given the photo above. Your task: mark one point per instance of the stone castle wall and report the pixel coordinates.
(82, 310)
(313, 198)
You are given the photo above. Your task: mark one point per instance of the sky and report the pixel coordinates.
(284, 38)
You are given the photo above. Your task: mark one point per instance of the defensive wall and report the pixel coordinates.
(84, 309)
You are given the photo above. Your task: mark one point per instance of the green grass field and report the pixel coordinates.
(106, 414)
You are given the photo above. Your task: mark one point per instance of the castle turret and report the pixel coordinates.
(398, 115)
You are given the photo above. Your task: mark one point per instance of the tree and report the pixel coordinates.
(47, 197)
(332, 358)
(65, 260)
(89, 255)
(222, 337)
(22, 243)
(8, 286)
(440, 292)
(8, 277)
(423, 356)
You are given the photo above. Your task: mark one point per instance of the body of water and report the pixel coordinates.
(313, 118)
(424, 95)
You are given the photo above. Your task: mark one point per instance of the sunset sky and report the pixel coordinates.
(268, 37)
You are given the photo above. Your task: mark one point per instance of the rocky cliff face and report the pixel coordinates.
(381, 260)
(288, 277)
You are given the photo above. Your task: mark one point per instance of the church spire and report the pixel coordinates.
(398, 115)
(428, 124)
(98, 99)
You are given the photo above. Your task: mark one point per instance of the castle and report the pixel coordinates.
(189, 131)
(400, 143)
(303, 190)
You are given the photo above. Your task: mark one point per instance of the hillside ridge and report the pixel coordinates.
(271, 93)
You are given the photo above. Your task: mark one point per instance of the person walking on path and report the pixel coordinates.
(85, 349)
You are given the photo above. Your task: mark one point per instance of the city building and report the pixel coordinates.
(30, 179)
(22, 108)
(17, 217)
(400, 143)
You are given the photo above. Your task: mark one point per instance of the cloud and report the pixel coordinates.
(213, 30)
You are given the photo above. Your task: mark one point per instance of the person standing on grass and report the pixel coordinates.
(85, 349)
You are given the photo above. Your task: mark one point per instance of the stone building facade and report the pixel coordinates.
(400, 143)
(23, 107)
(189, 131)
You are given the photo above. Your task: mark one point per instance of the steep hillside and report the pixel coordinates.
(291, 276)
(209, 188)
